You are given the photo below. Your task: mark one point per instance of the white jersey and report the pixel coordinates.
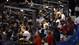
(62, 17)
(59, 23)
(40, 19)
(27, 34)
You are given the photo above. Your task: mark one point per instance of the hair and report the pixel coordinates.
(69, 19)
(26, 28)
(49, 32)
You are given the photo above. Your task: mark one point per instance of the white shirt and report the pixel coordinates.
(40, 19)
(45, 25)
(27, 34)
(59, 23)
(62, 17)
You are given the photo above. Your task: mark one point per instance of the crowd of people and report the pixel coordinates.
(56, 29)
(51, 26)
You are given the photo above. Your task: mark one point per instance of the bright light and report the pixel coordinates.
(40, 10)
(47, 7)
(7, 0)
(59, 1)
(21, 10)
(54, 9)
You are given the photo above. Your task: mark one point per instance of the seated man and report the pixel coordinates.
(26, 34)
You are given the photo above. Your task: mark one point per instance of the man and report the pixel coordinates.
(26, 33)
(77, 26)
(50, 38)
(77, 22)
(37, 39)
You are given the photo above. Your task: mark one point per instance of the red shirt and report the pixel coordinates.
(50, 39)
(37, 40)
(67, 28)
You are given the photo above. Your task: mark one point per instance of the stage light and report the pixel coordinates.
(7, 0)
